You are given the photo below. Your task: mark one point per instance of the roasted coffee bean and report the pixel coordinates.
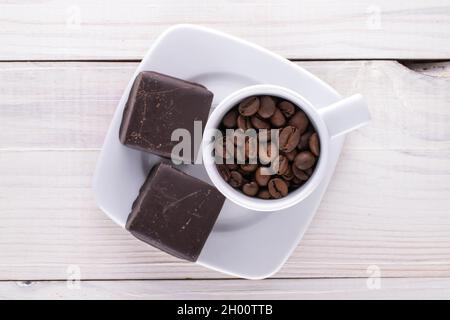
(278, 188)
(314, 145)
(259, 123)
(249, 167)
(266, 107)
(244, 123)
(264, 194)
(260, 178)
(250, 188)
(289, 138)
(283, 164)
(287, 108)
(295, 183)
(249, 106)
(299, 174)
(309, 171)
(290, 155)
(288, 175)
(277, 119)
(230, 119)
(224, 172)
(236, 179)
(304, 160)
(304, 141)
(232, 166)
(300, 121)
(288, 183)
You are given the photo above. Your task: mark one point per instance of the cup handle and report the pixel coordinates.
(345, 115)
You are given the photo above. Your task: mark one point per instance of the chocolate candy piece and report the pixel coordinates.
(157, 105)
(175, 212)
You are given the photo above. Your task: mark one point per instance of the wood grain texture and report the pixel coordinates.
(324, 29)
(395, 218)
(70, 105)
(397, 288)
(387, 205)
(64, 105)
(386, 209)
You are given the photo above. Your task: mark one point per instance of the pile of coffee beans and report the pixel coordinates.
(298, 145)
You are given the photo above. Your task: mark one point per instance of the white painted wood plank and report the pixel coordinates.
(387, 208)
(82, 29)
(64, 105)
(70, 105)
(389, 288)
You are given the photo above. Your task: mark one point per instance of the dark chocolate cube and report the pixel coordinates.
(175, 212)
(157, 105)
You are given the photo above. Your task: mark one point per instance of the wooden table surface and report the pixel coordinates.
(383, 228)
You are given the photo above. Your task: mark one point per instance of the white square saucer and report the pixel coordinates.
(243, 243)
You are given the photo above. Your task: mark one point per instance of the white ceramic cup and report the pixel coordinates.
(336, 119)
